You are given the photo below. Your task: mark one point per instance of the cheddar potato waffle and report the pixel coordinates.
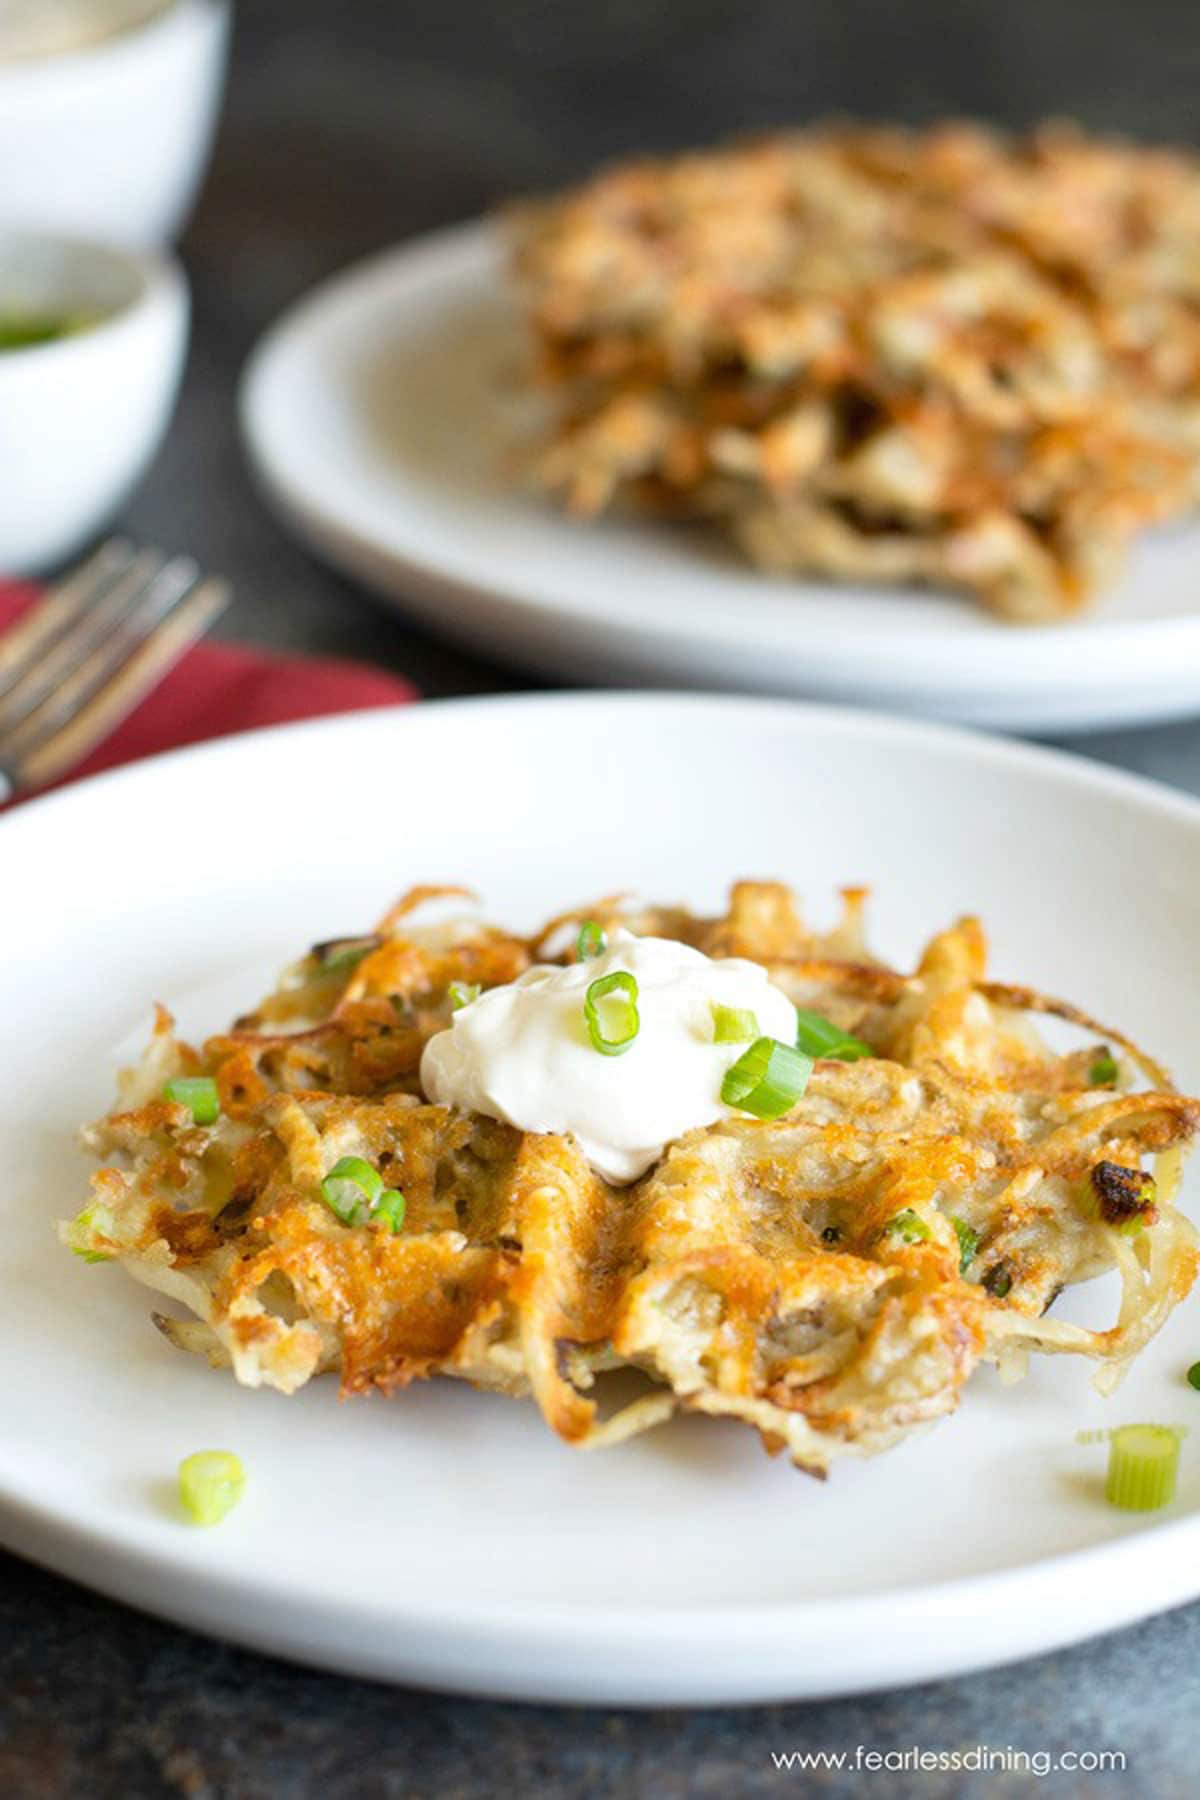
(830, 1277)
(942, 356)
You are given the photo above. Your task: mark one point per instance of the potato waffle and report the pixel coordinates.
(831, 1277)
(943, 356)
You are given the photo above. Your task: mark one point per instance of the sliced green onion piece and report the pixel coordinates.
(768, 1079)
(1104, 1070)
(819, 1036)
(968, 1244)
(592, 941)
(610, 1008)
(1143, 1461)
(461, 993)
(77, 1235)
(199, 1092)
(390, 1207)
(908, 1226)
(350, 1184)
(210, 1484)
(733, 1024)
(1193, 1375)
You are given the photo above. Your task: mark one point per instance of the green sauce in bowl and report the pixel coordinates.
(20, 330)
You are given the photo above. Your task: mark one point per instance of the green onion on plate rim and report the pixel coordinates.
(1143, 1462)
(211, 1482)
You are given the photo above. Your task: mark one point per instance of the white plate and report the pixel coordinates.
(381, 414)
(446, 1537)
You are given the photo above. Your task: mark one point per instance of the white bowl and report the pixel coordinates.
(112, 140)
(81, 416)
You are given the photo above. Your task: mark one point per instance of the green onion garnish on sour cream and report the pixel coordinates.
(733, 1025)
(624, 1051)
(611, 1010)
(768, 1080)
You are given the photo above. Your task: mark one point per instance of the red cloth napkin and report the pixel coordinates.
(218, 688)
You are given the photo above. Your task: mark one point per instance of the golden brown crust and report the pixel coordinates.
(831, 1277)
(940, 356)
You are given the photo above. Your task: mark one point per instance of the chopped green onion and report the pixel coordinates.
(77, 1235)
(343, 953)
(390, 1207)
(998, 1281)
(19, 331)
(968, 1244)
(461, 993)
(350, 1186)
(612, 1030)
(1104, 1070)
(592, 941)
(1143, 1461)
(819, 1036)
(199, 1092)
(733, 1024)
(210, 1484)
(768, 1079)
(908, 1226)
(1193, 1375)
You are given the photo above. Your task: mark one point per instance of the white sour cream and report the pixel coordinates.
(522, 1053)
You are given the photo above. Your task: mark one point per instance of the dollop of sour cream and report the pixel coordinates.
(522, 1052)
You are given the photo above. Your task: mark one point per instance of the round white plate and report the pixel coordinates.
(446, 1537)
(381, 416)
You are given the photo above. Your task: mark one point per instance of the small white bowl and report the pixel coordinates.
(81, 415)
(112, 140)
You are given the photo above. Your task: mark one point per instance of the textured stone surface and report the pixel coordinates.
(348, 126)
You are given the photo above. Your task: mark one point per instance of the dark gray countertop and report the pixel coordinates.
(349, 126)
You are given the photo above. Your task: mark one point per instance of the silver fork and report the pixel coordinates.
(80, 660)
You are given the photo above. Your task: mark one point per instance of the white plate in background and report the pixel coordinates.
(381, 415)
(446, 1537)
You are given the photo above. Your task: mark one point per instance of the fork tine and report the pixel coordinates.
(46, 673)
(58, 609)
(125, 682)
(151, 605)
